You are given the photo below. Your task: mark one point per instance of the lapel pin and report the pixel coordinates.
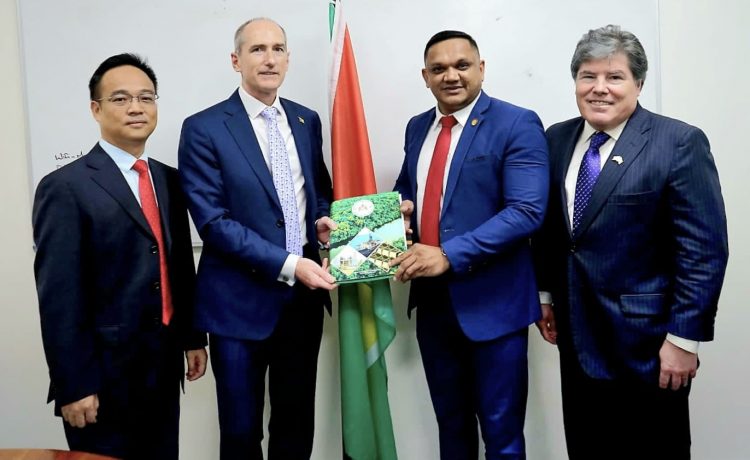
(617, 159)
(474, 122)
(301, 120)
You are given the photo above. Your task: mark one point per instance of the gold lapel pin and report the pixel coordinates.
(617, 159)
(301, 120)
(474, 122)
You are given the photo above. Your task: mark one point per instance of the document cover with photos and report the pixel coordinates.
(370, 234)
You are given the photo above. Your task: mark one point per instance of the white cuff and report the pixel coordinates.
(545, 297)
(287, 270)
(686, 344)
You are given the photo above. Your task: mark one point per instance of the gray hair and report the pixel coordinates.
(604, 42)
(238, 34)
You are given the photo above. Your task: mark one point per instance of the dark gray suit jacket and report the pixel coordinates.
(97, 274)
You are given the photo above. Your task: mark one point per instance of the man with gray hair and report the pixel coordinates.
(258, 190)
(630, 259)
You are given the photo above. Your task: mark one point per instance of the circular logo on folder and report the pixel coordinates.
(363, 208)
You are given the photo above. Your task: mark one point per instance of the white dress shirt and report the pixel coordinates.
(254, 108)
(428, 148)
(125, 162)
(580, 149)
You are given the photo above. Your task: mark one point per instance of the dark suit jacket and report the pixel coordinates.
(235, 207)
(494, 200)
(96, 267)
(649, 255)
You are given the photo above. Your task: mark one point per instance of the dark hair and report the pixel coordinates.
(606, 41)
(447, 35)
(119, 60)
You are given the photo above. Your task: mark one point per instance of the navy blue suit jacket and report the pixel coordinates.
(235, 207)
(649, 255)
(97, 274)
(494, 200)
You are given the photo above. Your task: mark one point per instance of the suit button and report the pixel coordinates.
(572, 248)
(280, 223)
(156, 285)
(154, 249)
(156, 320)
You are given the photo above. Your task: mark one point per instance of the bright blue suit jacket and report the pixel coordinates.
(649, 255)
(494, 200)
(237, 212)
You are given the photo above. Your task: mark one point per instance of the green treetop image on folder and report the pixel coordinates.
(369, 235)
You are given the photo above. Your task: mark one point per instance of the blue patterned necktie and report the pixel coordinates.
(282, 180)
(587, 174)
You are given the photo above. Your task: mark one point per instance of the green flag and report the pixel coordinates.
(366, 324)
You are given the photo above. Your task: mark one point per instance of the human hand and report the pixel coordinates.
(81, 412)
(407, 209)
(196, 363)
(546, 325)
(420, 260)
(678, 366)
(323, 227)
(313, 275)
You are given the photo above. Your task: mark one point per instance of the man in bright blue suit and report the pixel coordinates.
(258, 191)
(633, 252)
(474, 181)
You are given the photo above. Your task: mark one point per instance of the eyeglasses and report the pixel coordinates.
(121, 100)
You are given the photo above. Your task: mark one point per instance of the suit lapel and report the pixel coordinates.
(462, 148)
(239, 126)
(109, 178)
(419, 130)
(159, 176)
(301, 139)
(302, 143)
(628, 147)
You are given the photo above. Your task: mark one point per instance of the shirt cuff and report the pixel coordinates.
(287, 270)
(545, 297)
(686, 344)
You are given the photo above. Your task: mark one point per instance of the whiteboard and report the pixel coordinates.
(526, 44)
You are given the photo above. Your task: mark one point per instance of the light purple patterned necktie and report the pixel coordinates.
(282, 180)
(587, 174)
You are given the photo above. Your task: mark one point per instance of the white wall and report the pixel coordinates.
(704, 52)
(24, 419)
(389, 64)
(705, 60)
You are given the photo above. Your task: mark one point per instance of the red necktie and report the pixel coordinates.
(433, 191)
(151, 211)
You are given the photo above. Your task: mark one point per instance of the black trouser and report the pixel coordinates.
(290, 356)
(139, 407)
(619, 419)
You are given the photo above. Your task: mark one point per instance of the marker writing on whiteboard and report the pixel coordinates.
(66, 157)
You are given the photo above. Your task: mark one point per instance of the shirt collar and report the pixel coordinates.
(122, 159)
(462, 115)
(254, 107)
(614, 133)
